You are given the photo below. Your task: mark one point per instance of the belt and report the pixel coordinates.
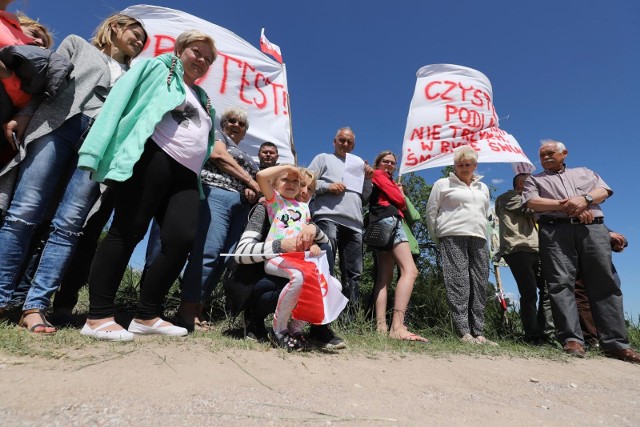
(549, 220)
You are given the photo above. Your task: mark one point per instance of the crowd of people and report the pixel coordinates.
(139, 144)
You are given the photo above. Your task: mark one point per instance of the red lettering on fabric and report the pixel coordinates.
(426, 132)
(413, 159)
(164, 44)
(250, 81)
(263, 103)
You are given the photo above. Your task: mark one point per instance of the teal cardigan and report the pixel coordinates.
(134, 107)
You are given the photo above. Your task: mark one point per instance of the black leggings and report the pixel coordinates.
(160, 188)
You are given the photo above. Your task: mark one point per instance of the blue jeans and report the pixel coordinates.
(223, 217)
(49, 160)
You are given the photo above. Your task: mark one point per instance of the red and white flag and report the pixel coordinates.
(321, 299)
(270, 48)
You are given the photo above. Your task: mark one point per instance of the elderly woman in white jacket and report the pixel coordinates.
(457, 220)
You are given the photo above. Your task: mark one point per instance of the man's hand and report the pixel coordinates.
(368, 170)
(586, 217)
(574, 206)
(337, 188)
(617, 241)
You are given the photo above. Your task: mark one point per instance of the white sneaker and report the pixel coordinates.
(102, 333)
(156, 329)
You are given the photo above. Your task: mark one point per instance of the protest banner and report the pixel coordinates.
(241, 76)
(452, 106)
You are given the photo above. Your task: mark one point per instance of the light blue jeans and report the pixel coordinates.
(223, 217)
(47, 165)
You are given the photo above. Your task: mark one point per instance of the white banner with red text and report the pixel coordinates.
(241, 76)
(452, 106)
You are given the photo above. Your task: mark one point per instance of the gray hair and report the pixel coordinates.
(559, 145)
(345, 128)
(465, 152)
(234, 112)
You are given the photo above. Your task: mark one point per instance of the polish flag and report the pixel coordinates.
(269, 48)
(321, 299)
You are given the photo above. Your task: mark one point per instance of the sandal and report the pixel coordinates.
(43, 328)
(285, 341)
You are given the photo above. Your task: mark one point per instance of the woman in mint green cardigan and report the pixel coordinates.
(149, 143)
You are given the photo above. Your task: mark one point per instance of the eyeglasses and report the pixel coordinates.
(388, 162)
(343, 140)
(240, 123)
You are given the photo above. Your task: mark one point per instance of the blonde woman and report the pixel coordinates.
(150, 143)
(457, 219)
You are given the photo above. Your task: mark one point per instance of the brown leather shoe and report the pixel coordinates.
(574, 348)
(626, 355)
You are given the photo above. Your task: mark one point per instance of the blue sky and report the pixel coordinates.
(566, 70)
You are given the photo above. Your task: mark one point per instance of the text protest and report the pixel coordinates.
(240, 76)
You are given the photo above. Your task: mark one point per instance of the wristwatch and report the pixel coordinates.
(588, 198)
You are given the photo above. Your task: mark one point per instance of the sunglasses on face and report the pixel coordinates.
(240, 123)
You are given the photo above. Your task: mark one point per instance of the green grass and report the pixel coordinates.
(427, 316)
(361, 339)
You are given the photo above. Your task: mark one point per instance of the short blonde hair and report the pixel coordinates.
(102, 36)
(27, 22)
(309, 177)
(190, 36)
(465, 152)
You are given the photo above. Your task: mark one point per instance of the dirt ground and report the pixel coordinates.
(159, 383)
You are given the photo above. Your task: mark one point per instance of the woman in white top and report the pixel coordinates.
(457, 220)
(149, 144)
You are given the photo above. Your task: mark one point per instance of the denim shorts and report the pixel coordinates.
(399, 235)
